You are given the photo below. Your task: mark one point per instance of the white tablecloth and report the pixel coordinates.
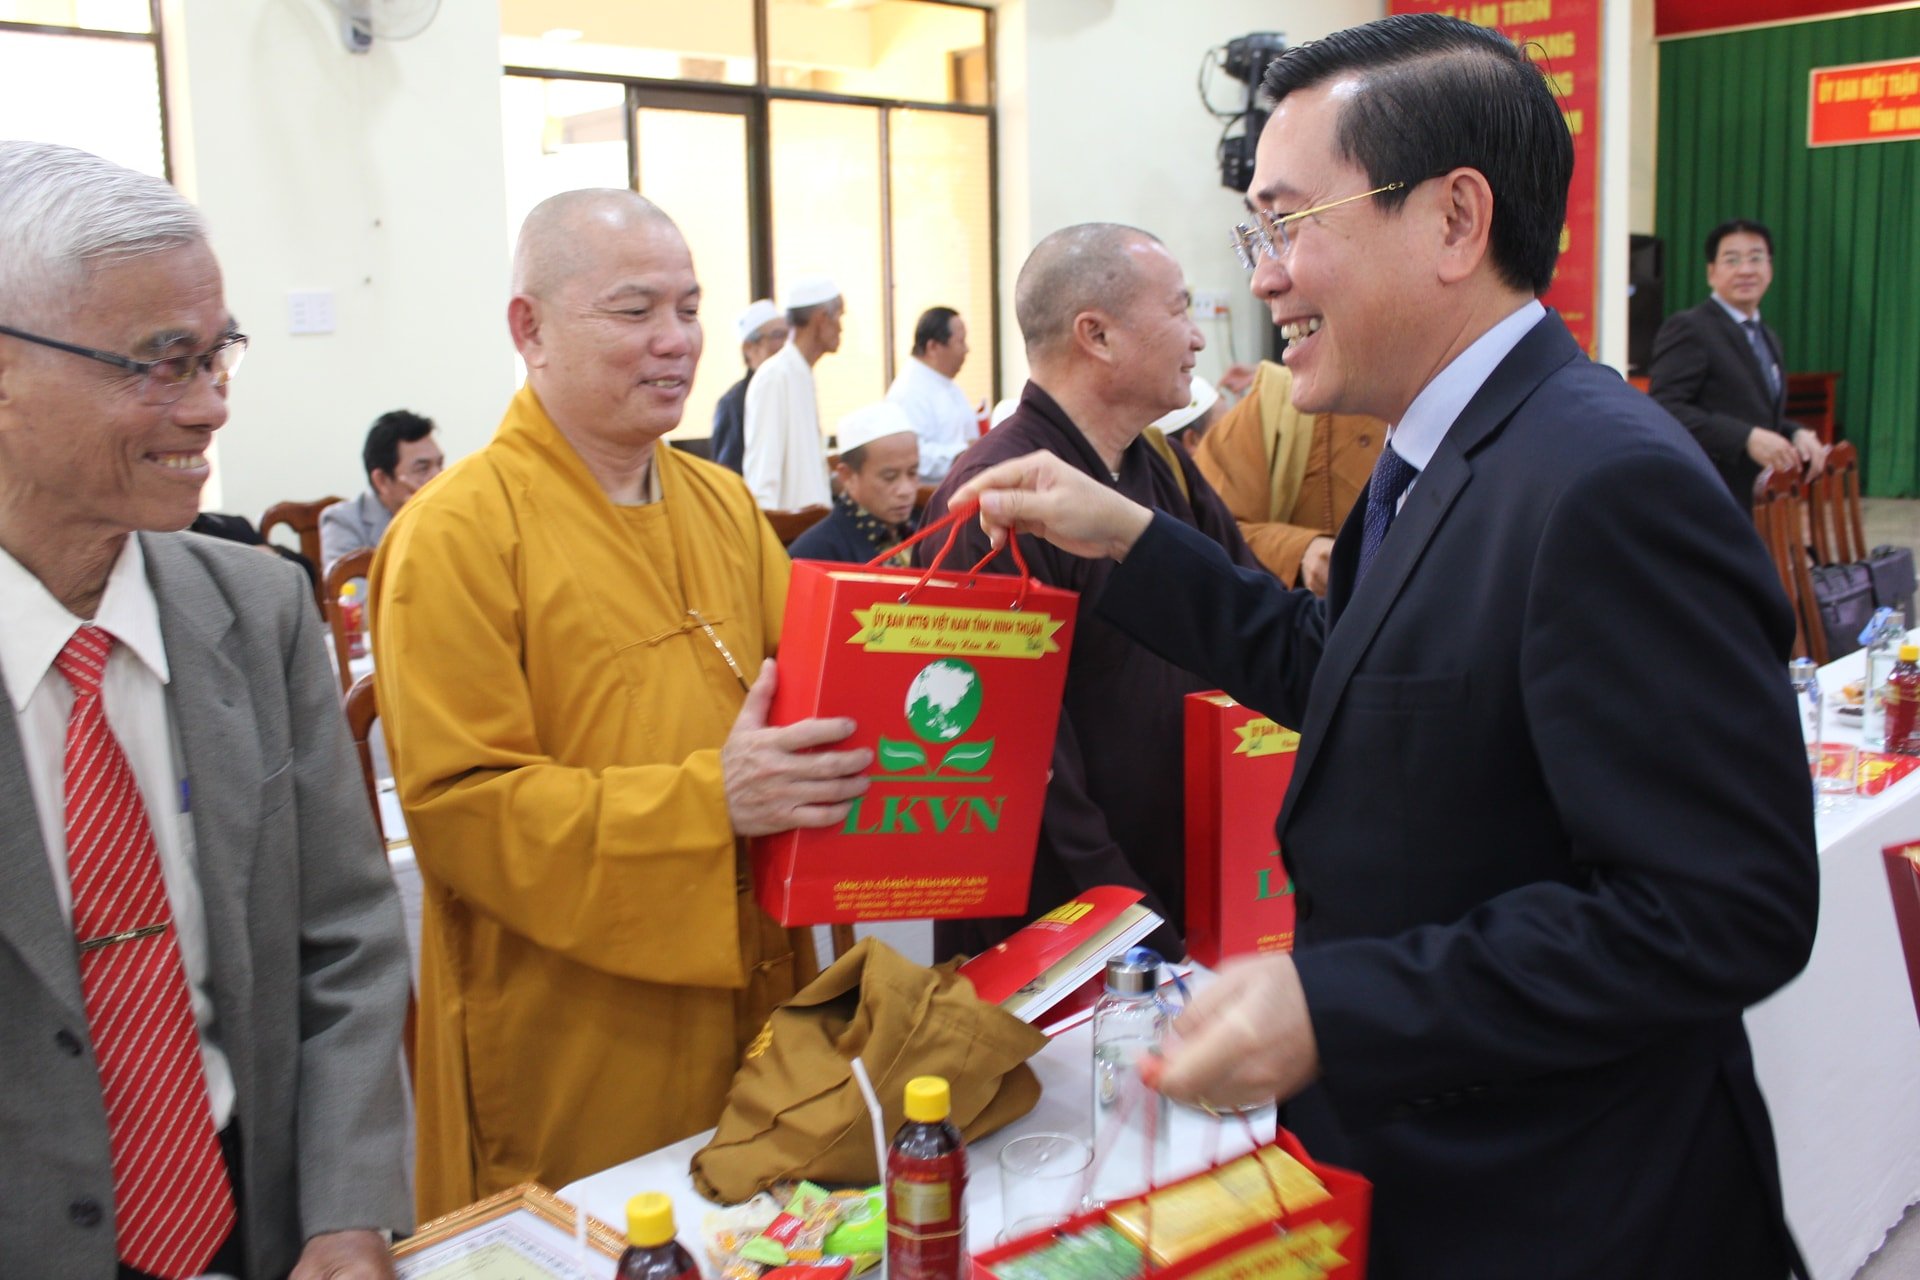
(1837, 1050)
(1065, 1106)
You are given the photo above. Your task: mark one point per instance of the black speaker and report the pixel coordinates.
(1646, 299)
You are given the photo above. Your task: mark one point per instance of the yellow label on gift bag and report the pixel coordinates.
(933, 629)
(1306, 1252)
(1265, 738)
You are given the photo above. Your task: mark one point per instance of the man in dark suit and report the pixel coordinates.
(1717, 367)
(203, 969)
(1535, 886)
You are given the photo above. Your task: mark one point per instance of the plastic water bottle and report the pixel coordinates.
(1130, 1121)
(1806, 695)
(1881, 638)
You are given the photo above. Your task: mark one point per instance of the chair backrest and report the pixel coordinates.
(1809, 402)
(1778, 513)
(354, 564)
(304, 519)
(1843, 465)
(362, 710)
(788, 525)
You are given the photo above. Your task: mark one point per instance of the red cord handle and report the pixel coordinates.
(952, 523)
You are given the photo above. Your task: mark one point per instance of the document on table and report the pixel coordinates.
(515, 1248)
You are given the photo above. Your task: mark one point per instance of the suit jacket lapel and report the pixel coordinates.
(30, 918)
(1355, 612)
(208, 698)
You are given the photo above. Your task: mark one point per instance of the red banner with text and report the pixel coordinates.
(1563, 37)
(1865, 102)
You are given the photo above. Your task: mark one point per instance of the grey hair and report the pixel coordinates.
(63, 211)
(1079, 268)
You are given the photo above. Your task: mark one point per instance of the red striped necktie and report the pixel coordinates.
(173, 1205)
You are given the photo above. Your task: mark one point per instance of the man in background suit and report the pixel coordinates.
(203, 971)
(1717, 367)
(1535, 889)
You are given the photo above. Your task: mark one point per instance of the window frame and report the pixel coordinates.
(151, 36)
(756, 99)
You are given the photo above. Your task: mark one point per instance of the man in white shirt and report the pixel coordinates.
(785, 464)
(945, 420)
(203, 969)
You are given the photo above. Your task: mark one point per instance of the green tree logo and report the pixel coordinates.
(943, 701)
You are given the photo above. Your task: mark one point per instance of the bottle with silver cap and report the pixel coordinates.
(1130, 1121)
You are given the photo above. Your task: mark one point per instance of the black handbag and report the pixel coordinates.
(1891, 569)
(1844, 595)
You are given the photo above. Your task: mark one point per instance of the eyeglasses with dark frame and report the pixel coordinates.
(1256, 239)
(163, 381)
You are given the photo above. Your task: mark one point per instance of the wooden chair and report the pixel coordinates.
(1810, 403)
(1778, 511)
(1839, 535)
(843, 939)
(362, 710)
(304, 519)
(788, 525)
(354, 564)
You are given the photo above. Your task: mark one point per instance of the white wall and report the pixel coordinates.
(1100, 121)
(377, 176)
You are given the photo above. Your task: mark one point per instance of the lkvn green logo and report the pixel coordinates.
(942, 703)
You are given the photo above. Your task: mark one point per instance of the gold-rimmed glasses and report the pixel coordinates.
(1271, 234)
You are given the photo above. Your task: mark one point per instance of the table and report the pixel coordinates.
(1065, 1068)
(1837, 1050)
(1837, 1053)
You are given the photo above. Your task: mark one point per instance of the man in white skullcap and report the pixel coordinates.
(945, 419)
(785, 463)
(879, 474)
(763, 330)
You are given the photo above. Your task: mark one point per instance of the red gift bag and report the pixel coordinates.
(954, 680)
(1327, 1240)
(1239, 897)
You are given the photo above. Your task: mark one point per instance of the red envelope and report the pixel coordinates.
(954, 680)
(1903, 878)
(1239, 897)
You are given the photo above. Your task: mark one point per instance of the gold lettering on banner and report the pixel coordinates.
(1561, 82)
(1882, 120)
(1847, 90)
(1558, 45)
(1515, 12)
(1826, 90)
(1904, 84)
(1910, 118)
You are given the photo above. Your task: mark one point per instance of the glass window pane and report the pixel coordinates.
(693, 164)
(100, 95)
(560, 135)
(826, 221)
(100, 15)
(943, 233)
(708, 40)
(887, 49)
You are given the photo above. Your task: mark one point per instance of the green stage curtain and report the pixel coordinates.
(1845, 220)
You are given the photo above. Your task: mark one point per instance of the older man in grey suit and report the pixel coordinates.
(202, 966)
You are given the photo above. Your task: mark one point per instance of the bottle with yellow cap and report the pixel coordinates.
(927, 1189)
(652, 1253)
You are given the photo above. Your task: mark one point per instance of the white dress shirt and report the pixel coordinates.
(942, 416)
(785, 462)
(1431, 415)
(133, 691)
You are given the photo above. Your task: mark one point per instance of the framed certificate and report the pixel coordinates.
(527, 1233)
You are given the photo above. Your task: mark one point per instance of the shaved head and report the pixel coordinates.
(1090, 267)
(560, 237)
